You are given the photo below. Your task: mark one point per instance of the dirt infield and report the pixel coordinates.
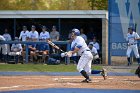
(9, 83)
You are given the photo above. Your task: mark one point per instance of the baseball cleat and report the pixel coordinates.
(104, 73)
(87, 81)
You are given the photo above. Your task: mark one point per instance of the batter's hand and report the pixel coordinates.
(69, 54)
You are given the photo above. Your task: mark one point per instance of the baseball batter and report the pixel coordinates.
(132, 38)
(79, 46)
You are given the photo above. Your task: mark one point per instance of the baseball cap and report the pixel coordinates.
(24, 27)
(54, 27)
(33, 26)
(16, 38)
(43, 27)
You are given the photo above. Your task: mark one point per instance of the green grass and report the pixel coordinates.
(41, 68)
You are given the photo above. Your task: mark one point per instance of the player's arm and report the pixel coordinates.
(20, 36)
(137, 36)
(75, 50)
(57, 38)
(12, 47)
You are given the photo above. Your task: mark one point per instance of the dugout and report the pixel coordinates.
(96, 20)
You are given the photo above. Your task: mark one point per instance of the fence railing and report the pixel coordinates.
(67, 60)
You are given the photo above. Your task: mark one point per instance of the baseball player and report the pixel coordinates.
(24, 34)
(33, 34)
(79, 46)
(3, 47)
(7, 37)
(16, 50)
(95, 44)
(132, 38)
(44, 35)
(94, 52)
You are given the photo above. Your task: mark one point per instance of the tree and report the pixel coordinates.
(53, 4)
(98, 4)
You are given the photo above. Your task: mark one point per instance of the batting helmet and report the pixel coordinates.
(76, 31)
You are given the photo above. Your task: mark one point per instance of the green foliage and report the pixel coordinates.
(52, 4)
(98, 4)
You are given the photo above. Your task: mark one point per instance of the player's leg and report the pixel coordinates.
(102, 72)
(4, 52)
(129, 49)
(135, 49)
(81, 65)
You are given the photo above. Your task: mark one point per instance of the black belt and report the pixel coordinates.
(132, 44)
(95, 54)
(85, 50)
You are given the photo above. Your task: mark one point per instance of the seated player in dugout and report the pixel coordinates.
(31, 52)
(95, 54)
(42, 49)
(16, 50)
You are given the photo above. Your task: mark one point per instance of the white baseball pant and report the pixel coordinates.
(85, 62)
(134, 48)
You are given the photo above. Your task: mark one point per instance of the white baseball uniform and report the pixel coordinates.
(132, 44)
(16, 49)
(94, 53)
(85, 53)
(24, 35)
(7, 38)
(84, 37)
(95, 44)
(33, 35)
(44, 35)
(3, 47)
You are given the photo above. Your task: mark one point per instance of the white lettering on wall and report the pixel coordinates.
(116, 46)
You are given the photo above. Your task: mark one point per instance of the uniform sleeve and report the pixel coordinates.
(20, 47)
(79, 42)
(85, 38)
(9, 37)
(36, 35)
(2, 38)
(127, 37)
(94, 50)
(12, 47)
(48, 34)
(136, 35)
(20, 35)
(98, 47)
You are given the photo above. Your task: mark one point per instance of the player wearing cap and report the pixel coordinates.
(16, 50)
(33, 34)
(44, 35)
(132, 38)
(3, 47)
(79, 46)
(7, 37)
(24, 34)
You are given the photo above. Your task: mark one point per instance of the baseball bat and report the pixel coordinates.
(54, 45)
